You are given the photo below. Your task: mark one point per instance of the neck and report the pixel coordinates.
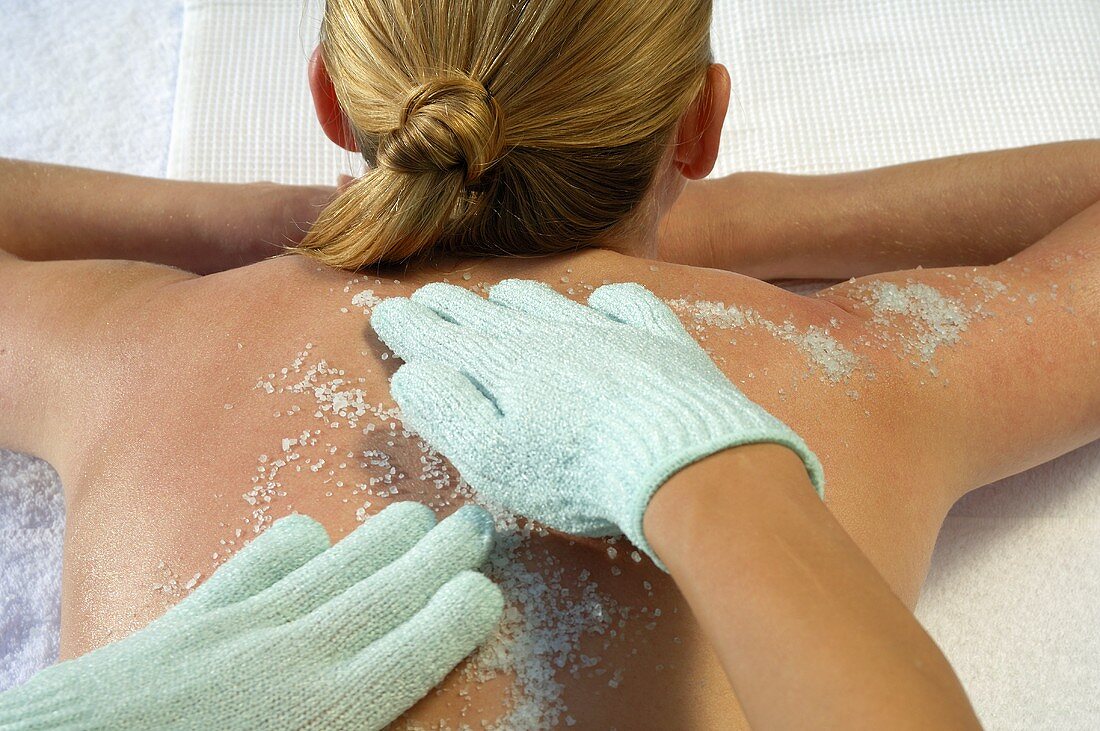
(640, 246)
(643, 237)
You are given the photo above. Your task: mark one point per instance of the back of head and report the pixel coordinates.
(503, 127)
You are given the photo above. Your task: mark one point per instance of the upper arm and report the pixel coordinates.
(1002, 359)
(60, 327)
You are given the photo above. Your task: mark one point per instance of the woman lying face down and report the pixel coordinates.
(185, 413)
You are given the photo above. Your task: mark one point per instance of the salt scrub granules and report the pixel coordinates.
(823, 352)
(545, 618)
(338, 402)
(367, 300)
(931, 319)
(916, 319)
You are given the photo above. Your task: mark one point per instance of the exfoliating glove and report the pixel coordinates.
(569, 414)
(290, 634)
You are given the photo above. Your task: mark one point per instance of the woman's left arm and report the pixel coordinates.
(971, 209)
(56, 212)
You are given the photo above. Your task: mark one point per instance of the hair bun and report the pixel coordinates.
(446, 124)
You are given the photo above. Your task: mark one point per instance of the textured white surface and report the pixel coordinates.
(243, 109)
(819, 86)
(32, 523)
(1013, 593)
(89, 83)
(81, 83)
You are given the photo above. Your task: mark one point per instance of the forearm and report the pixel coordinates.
(754, 223)
(55, 212)
(806, 629)
(975, 208)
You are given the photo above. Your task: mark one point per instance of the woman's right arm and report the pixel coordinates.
(59, 212)
(809, 634)
(971, 209)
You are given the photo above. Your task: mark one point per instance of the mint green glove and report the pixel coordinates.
(568, 414)
(290, 634)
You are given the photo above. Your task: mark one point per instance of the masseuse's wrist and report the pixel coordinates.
(724, 488)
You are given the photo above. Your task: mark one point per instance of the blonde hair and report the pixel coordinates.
(502, 127)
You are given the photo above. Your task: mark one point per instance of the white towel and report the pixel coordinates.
(31, 528)
(819, 86)
(89, 83)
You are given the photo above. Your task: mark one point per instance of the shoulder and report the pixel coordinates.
(58, 320)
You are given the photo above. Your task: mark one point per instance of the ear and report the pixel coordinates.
(332, 118)
(701, 126)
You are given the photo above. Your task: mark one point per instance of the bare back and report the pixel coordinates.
(231, 400)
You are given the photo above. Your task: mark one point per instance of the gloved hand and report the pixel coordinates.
(568, 414)
(290, 634)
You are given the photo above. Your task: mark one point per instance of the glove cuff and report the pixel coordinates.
(634, 512)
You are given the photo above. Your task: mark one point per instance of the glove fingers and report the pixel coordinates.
(538, 299)
(444, 407)
(376, 605)
(416, 656)
(633, 304)
(461, 306)
(288, 544)
(414, 331)
(381, 540)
